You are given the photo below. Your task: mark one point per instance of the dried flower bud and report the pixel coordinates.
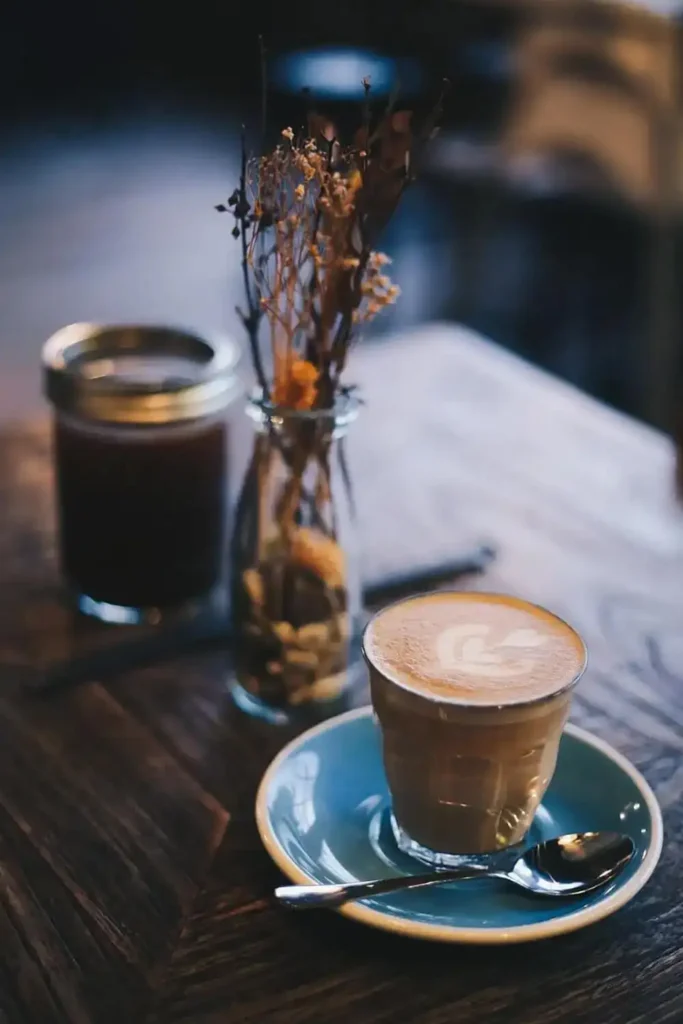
(315, 255)
(287, 133)
(296, 385)
(378, 259)
(299, 191)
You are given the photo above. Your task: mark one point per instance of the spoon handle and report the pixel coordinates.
(306, 897)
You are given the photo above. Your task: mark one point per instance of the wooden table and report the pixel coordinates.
(133, 886)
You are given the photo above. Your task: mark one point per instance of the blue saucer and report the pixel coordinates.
(323, 814)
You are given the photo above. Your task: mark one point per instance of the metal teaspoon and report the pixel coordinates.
(570, 865)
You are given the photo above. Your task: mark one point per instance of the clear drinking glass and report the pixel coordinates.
(465, 779)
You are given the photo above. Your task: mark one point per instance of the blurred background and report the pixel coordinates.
(547, 217)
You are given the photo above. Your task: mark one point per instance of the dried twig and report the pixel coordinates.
(308, 214)
(251, 319)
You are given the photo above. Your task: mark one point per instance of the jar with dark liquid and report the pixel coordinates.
(140, 438)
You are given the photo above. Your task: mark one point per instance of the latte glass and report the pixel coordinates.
(466, 778)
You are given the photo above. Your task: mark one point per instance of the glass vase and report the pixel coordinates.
(296, 587)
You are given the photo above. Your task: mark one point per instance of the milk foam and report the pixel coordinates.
(478, 648)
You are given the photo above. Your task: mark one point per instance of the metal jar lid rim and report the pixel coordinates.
(213, 386)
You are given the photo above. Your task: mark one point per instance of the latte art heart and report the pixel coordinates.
(476, 648)
(473, 649)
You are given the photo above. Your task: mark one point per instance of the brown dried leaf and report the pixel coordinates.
(400, 121)
(338, 295)
(320, 127)
(396, 140)
(360, 139)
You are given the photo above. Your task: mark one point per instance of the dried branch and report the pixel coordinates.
(252, 319)
(322, 207)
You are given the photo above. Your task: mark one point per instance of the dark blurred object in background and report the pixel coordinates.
(548, 218)
(581, 195)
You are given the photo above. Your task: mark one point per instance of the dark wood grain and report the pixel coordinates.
(133, 886)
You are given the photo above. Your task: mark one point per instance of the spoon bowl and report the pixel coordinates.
(571, 865)
(567, 866)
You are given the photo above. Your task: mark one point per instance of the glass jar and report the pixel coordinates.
(296, 584)
(140, 446)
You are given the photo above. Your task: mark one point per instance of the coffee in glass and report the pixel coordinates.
(472, 692)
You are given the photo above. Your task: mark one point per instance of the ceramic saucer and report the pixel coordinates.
(323, 814)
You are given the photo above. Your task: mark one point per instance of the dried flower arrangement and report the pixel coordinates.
(308, 215)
